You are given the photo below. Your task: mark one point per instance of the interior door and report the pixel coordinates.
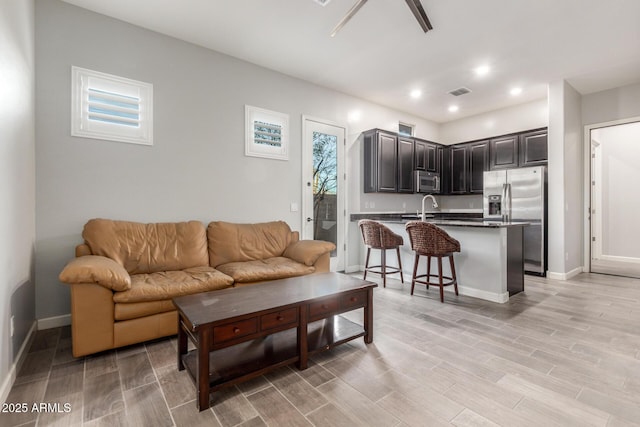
(324, 210)
(615, 170)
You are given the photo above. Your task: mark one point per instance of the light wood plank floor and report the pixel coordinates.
(560, 354)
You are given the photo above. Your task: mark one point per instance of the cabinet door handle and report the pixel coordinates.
(236, 330)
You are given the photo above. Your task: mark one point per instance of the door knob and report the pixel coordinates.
(309, 219)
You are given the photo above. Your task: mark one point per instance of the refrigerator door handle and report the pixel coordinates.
(506, 203)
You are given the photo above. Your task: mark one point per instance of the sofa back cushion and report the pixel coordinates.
(148, 248)
(229, 242)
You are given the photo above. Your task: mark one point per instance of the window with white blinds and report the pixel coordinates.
(110, 107)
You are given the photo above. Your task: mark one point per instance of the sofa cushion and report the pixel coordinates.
(229, 242)
(168, 284)
(265, 269)
(308, 251)
(133, 310)
(148, 248)
(96, 269)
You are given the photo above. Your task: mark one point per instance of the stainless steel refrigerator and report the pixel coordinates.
(520, 195)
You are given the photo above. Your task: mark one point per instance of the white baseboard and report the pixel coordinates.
(5, 388)
(354, 268)
(564, 276)
(487, 296)
(54, 322)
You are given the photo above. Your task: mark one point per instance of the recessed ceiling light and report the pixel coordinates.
(516, 91)
(416, 93)
(482, 70)
(354, 116)
(453, 108)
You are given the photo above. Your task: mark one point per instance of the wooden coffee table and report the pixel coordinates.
(241, 333)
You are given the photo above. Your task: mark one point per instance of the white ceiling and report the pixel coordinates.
(382, 54)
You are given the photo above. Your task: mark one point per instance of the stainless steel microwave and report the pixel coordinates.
(427, 182)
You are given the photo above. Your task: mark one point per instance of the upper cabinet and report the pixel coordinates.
(458, 169)
(533, 148)
(519, 150)
(426, 156)
(405, 165)
(467, 164)
(380, 162)
(390, 160)
(478, 164)
(504, 152)
(388, 163)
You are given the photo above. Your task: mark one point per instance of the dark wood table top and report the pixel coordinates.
(216, 306)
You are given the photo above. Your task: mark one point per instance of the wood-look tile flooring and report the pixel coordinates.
(560, 354)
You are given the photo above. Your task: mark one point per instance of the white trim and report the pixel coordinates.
(275, 119)
(83, 80)
(587, 187)
(354, 269)
(566, 276)
(54, 322)
(5, 389)
(342, 166)
(500, 298)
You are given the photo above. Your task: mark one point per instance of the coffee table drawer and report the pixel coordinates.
(235, 330)
(320, 308)
(278, 319)
(356, 299)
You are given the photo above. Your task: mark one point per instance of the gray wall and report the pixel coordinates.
(609, 105)
(566, 172)
(196, 168)
(17, 181)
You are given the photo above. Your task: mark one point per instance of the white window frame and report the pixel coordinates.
(412, 127)
(86, 125)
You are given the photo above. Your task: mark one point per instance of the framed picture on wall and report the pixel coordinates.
(266, 133)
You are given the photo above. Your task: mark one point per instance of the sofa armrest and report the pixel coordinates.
(96, 269)
(308, 251)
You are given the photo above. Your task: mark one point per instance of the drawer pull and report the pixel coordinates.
(325, 306)
(279, 318)
(236, 330)
(353, 299)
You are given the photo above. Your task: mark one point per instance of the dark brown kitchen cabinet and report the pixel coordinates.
(533, 148)
(504, 152)
(426, 156)
(380, 162)
(405, 165)
(458, 169)
(466, 166)
(478, 164)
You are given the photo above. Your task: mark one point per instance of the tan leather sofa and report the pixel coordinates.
(125, 273)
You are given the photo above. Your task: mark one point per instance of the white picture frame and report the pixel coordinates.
(266, 133)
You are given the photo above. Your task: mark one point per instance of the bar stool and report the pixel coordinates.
(432, 241)
(378, 236)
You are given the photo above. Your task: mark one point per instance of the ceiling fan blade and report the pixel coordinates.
(420, 14)
(356, 7)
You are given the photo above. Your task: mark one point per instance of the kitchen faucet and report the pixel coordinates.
(435, 204)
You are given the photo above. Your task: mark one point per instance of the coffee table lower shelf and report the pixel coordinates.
(250, 359)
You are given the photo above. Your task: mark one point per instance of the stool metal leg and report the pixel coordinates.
(415, 272)
(428, 270)
(453, 274)
(383, 257)
(366, 264)
(400, 264)
(440, 279)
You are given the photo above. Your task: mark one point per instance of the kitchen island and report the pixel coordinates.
(490, 264)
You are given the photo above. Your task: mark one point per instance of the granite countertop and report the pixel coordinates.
(445, 219)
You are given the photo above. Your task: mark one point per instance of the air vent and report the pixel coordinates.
(460, 91)
(322, 2)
